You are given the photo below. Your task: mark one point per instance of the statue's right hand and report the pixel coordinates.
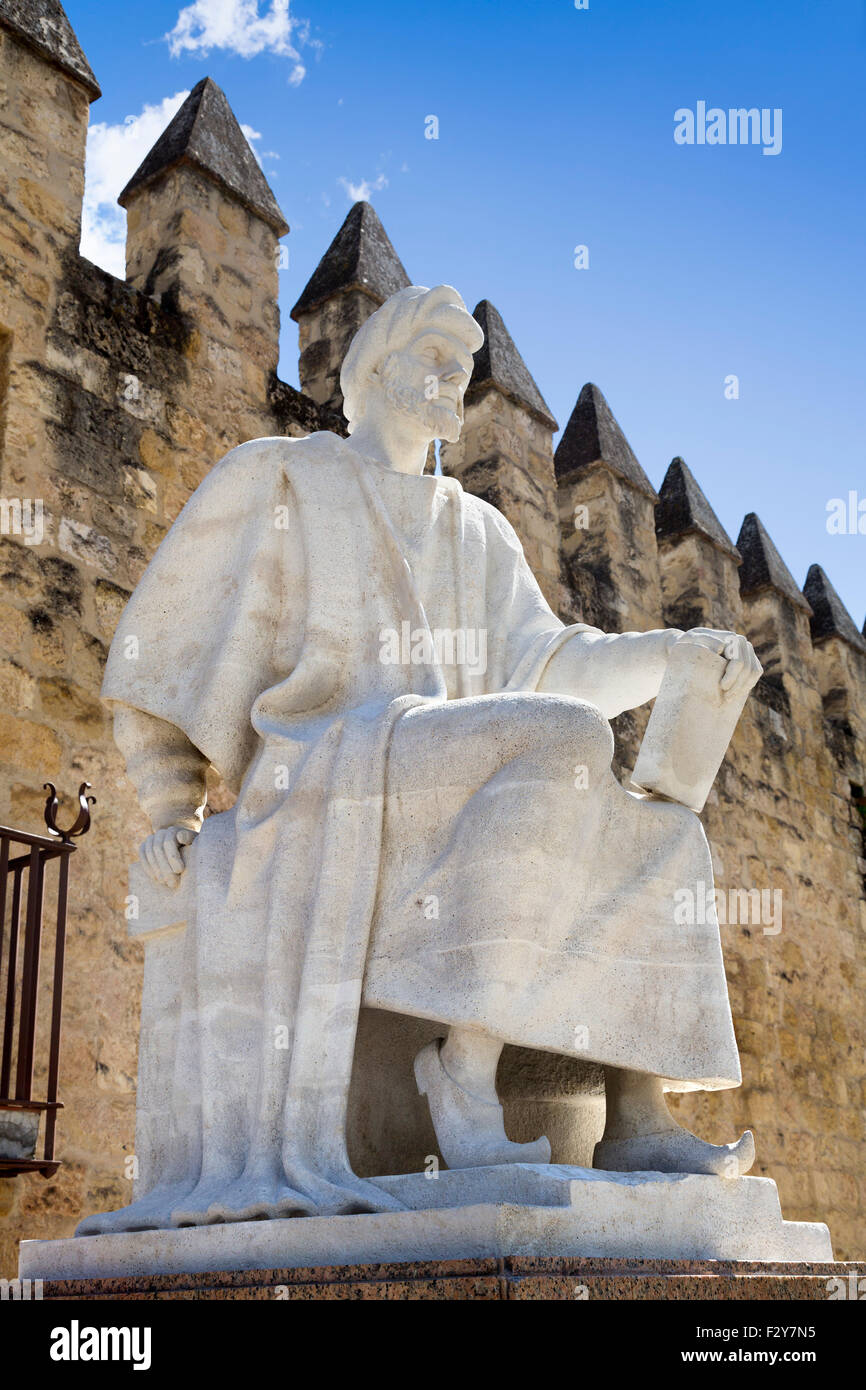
(161, 854)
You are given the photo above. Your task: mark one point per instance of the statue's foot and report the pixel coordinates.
(675, 1151)
(152, 1212)
(470, 1129)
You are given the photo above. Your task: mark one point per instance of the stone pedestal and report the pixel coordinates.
(489, 1280)
(517, 1211)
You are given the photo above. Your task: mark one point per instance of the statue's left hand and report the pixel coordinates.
(161, 853)
(743, 669)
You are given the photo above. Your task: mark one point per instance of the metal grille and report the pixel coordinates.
(30, 1046)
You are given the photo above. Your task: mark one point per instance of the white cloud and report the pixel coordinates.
(360, 192)
(252, 135)
(114, 152)
(237, 27)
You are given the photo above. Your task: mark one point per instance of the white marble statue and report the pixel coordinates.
(426, 818)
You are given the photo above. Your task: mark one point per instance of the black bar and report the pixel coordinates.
(11, 969)
(30, 980)
(56, 1003)
(23, 837)
(4, 871)
(50, 853)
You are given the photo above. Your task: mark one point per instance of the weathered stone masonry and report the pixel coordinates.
(115, 400)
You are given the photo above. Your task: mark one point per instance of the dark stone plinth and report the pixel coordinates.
(514, 1277)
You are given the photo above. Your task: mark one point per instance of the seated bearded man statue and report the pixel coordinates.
(360, 649)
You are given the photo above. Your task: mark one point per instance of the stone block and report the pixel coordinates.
(540, 1212)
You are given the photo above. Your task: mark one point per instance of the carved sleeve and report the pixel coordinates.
(615, 671)
(167, 771)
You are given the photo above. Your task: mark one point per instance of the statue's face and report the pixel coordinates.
(427, 379)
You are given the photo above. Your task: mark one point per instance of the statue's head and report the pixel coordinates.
(414, 356)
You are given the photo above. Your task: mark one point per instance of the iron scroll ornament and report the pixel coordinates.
(81, 825)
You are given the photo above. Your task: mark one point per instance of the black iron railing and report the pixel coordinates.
(26, 860)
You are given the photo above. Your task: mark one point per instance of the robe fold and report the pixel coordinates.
(264, 629)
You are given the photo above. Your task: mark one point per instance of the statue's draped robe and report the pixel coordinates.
(405, 833)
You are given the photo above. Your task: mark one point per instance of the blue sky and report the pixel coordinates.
(556, 129)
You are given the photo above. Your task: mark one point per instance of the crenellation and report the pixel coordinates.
(42, 26)
(699, 584)
(357, 273)
(776, 617)
(43, 133)
(505, 450)
(609, 564)
(698, 562)
(324, 334)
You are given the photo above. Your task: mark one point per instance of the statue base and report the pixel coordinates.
(522, 1210)
(524, 1278)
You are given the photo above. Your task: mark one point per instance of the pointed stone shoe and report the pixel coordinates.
(470, 1130)
(675, 1151)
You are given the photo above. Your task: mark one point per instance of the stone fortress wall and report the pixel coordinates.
(115, 400)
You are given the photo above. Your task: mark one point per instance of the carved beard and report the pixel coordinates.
(442, 419)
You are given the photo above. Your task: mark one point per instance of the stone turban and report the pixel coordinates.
(401, 319)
